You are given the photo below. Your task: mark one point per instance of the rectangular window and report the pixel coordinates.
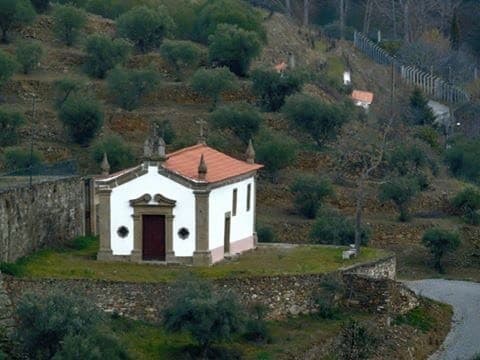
(249, 196)
(234, 205)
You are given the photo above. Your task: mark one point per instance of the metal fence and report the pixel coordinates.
(432, 85)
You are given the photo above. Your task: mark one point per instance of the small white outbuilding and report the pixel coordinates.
(195, 205)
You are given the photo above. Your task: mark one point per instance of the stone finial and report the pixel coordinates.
(202, 139)
(250, 153)
(202, 168)
(154, 147)
(105, 166)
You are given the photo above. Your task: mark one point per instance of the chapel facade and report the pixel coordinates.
(193, 206)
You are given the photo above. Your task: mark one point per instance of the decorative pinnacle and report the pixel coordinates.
(250, 153)
(202, 168)
(105, 166)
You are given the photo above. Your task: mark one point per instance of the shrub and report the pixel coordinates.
(13, 269)
(44, 322)
(356, 341)
(407, 159)
(20, 161)
(207, 316)
(421, 113)
(309, 192)
(243, 120)
(8, 66)
(120, 155)
(320, 120)
(68, 21)
(467, 202)
(103, 54)
(83, 242)
(145, 27)
(439, 242)
(213, 82)
(181, 55)
(107, 8)
(417, 318)
(331, 289)
(65, 88)
(256, 329)
(9, 123)
(463, 159)
(265, 234)
(15, 13)
(400, 191)
(276, 152)
(40, 6)
(128, 87)
(215, 12)
(429, 135)
(335, 229)
(234, 48)
(29, 54)
(272, 88)
(83, 118)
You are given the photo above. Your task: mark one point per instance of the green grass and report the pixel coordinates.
(78, 262)
(289, 338)
(418, 318)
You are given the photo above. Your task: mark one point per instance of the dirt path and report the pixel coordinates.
(463, 341)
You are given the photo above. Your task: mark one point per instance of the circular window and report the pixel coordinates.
(183, 233)
(122, 231)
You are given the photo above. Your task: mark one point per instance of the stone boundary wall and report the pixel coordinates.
(49, 213)
(282, 295)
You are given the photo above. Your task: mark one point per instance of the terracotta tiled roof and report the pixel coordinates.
(219, 166)
(281, 67)
(363, 96)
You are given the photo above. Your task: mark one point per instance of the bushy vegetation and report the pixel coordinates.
(207, 316)
(145, 27)
(463, 159)
(68, 21)
(128, 87)
(65, 88)
(234, 48)
(406, 160)
(265, 234)
(256, 328)
(320, 120)
(275, 151)
(272, 87)
(213, 82)
(243, 120)
(8, 66)
(421, 113)
(333, 228)
(309, 191)
(119, 153)
(40, 6)
(104, 53)
(15, 13)
(20, 161)
(332, 288)
(29, 54)
(357, 341)
(439, 242)
(83, 118)
(418, 318)
(9, 124)
(181, 55)
(59, 326)
(400, 191)
(215, 12)
(467, 203)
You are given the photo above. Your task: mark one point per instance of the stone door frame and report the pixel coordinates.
(163, 207)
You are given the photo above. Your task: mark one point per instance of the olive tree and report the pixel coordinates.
(213, 82)
(68, 21)
(14, 13)
(104, 53)
(128, 87)
(28, 55)
(145, 27)
(120, 154)
(400, 191)
(9, 123)
(440, 242)
(8, 66)
(181, 55)
(309, 191)
(233, 47)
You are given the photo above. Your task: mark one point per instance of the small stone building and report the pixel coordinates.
(362, 98)
(195, 205)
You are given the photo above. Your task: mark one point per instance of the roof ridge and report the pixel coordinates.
(196, 146)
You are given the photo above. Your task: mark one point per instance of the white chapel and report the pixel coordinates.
(194, 206)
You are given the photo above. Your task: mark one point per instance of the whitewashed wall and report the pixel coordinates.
(152, 183)
(221, 201)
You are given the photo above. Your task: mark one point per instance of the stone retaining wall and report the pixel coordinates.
(47, 214)
(6, 313)
(282, 295)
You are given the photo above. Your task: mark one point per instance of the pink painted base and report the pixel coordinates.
(235, 248)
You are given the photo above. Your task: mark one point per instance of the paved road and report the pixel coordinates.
(463, 341)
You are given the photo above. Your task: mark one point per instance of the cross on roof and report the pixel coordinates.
(202, 124)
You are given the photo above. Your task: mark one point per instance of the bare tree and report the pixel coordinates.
(367, 17)
(306, 12)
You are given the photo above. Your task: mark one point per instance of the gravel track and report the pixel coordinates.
(463, 341)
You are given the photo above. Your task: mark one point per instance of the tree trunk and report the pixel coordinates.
(306, 12)
(358, 217)
(394, 20)
(288, 7)
(406, 22)
(367, 16)
(342, 19)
